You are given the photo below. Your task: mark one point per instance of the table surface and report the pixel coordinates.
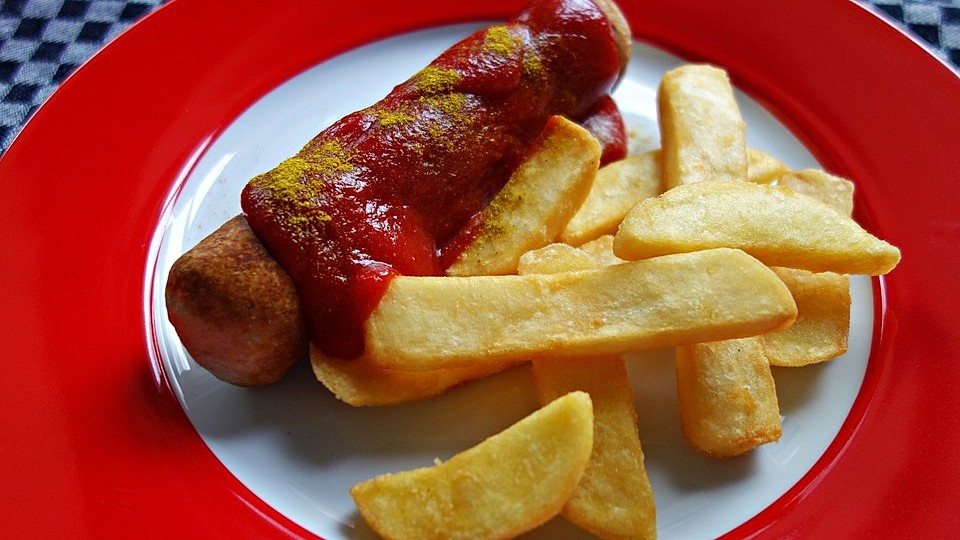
(43, 41)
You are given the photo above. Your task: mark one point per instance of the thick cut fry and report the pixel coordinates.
(428, 323)
(834, 191)
(823, 319)
(703, 134)
(772, 223)
(618, 187)
(700, 92)
(614, 499)
(722, 419)
(535, 205)
(508, 484)
(360, 383)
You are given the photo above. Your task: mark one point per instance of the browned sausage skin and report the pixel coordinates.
(235, 309)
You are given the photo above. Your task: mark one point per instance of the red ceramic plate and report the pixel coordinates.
(95, 443)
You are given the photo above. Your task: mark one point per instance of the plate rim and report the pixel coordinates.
(795, 514)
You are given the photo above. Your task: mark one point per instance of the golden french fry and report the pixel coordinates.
(772, 223)
(535, 205)
(558, 257)
(555, 258)
(614, 498)
(834, 191)
(762, 167)
(618, 186)
(702, 133)
(601, 250)
(718, 418)
(823, 319)
(508, 484)
(711, 377)
(360, 383)
(428, 323)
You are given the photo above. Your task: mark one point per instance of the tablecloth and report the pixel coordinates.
(43, 41)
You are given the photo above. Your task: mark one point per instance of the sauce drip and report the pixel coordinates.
(386, 190)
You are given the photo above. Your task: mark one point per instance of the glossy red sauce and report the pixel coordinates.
(387, 190)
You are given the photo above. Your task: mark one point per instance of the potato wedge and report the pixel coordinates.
(507, 484)
(428, 323)
(618, 187)
(703, 135)
(622, 184)
(533, 208)
(721, 419)
(772, 223)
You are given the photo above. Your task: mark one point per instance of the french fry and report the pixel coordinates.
(762, 167)
(614, 498)
(618, 186)
(533, 208)
(703, 135)
(834, 191)
(507, 484)
(428, 323)
(622, 184)
(601, 250)
(822, 327)
(360, 383)
(713, 377)
(718, 418)
(557, 257)
(574, 308)
(772, 223)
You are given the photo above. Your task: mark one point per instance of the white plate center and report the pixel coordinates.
(299, 449)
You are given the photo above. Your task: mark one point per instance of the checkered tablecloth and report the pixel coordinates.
(43, 41)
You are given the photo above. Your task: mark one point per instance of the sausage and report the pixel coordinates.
(235, 309)
(238, 312)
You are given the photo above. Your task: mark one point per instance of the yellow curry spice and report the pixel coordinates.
(436, 80)
(500, 41)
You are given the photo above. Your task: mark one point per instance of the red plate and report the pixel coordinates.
(94, 442)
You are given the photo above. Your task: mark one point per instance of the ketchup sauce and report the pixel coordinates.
(386, 190)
